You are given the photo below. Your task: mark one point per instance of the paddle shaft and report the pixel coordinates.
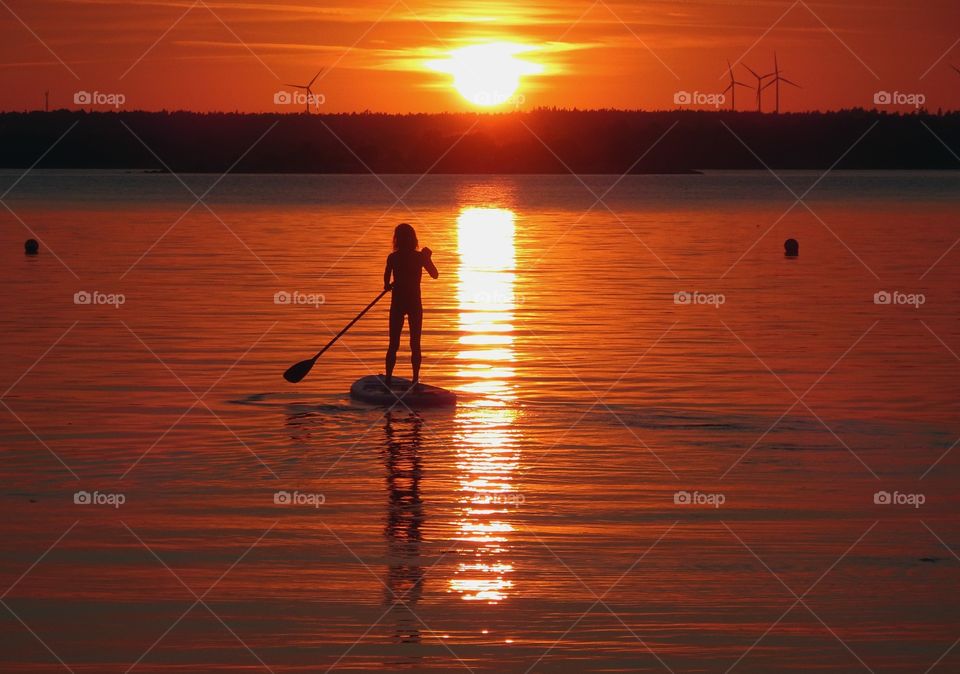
(350, 324)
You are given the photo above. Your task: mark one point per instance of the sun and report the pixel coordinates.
(487, 74)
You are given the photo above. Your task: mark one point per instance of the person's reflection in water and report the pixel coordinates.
(405, 516)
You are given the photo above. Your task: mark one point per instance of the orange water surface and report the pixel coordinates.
(631, 481)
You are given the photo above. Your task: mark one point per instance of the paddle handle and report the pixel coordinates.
(350, 324)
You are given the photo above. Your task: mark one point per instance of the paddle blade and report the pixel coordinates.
(295, 373)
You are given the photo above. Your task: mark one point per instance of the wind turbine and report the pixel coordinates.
(760, 87)
(732, 87)
(306, 87)
(777, 80)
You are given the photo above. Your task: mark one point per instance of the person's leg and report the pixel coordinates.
(416, 328)
(396, 327)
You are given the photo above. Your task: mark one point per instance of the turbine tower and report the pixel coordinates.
(732, 87)
(760, 87)
(777, 80)
(306, 87)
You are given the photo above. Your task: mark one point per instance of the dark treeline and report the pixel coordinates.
(538, 141)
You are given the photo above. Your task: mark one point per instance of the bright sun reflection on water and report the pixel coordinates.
(487, 439)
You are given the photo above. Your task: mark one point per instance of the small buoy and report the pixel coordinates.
(791, 248)
(31, 247)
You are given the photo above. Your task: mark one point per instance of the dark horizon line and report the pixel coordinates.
(923, 111)
(542, 140)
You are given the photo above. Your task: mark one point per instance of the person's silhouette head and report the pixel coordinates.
(404, 237)
(31, 247)
(791, 248)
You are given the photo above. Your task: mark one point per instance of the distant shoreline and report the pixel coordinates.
(543, 141)
(679, 172)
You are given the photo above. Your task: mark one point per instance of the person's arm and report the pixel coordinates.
(428, 263)
(388, 270)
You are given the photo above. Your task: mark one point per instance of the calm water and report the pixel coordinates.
(539, 527)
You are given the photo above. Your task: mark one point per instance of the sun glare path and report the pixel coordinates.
(487, 433)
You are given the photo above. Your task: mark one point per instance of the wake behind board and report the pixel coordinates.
(371, 389)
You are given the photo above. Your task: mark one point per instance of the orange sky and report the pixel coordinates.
(235, 54)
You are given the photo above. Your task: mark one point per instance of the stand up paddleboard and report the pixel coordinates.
(371, 389)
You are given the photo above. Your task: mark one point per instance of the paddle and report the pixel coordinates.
(296, 373)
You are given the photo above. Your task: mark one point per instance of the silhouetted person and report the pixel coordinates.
(31, 247)
(406, 264)
(791, 248)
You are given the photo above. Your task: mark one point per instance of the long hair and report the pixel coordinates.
(404, 237)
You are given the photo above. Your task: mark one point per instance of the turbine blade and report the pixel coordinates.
(955, 68)
(752, 71)
(312, 97)
(784, 79)
(315, 77)
(729, 87)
